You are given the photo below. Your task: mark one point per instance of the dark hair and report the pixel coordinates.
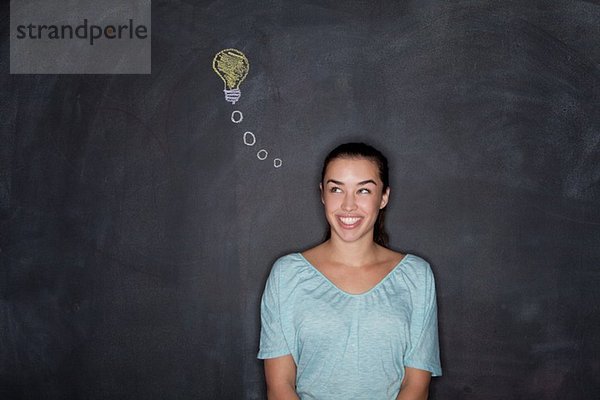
(362, 150)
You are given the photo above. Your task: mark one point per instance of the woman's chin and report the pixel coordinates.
(350, 236)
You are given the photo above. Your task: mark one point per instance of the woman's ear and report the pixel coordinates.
(384, 198)
(321, 190)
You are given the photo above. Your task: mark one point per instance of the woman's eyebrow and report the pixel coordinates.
(359, 183)
(367, 181)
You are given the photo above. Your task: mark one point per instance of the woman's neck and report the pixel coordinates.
(353, 254)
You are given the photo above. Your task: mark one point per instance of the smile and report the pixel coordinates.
(350, 222)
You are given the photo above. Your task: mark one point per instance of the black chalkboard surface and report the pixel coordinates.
(138, 224)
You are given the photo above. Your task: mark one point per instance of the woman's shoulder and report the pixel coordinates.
(288, 260)
(415, 262)
(290, 264)
(416, 269)
(291, 270)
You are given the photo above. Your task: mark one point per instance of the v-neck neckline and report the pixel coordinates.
(337, 288)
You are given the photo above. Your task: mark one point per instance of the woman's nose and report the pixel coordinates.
(349, 204)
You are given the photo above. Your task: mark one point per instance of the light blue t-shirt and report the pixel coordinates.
(350, 346)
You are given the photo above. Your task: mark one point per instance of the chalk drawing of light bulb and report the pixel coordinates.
(232, 66)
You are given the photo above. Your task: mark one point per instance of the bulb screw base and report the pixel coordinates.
(232, 95)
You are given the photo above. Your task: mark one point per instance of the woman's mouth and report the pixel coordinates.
(349, 222)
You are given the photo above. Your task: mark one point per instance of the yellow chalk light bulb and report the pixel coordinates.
(232, 66)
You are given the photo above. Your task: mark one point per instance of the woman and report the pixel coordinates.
(350, 318)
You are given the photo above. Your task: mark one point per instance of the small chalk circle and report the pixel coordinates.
(277, 162)
(240, 117)
(262, 154)
(249, 139)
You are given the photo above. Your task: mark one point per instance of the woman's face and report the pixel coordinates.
(352, 194)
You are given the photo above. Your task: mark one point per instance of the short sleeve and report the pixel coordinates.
(272, 339)
(424, 351)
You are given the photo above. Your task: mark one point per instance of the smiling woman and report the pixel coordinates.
(357, 160)
(353, 197)
(350, 318)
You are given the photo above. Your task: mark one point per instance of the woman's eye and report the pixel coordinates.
(335, 189)
(364, 191)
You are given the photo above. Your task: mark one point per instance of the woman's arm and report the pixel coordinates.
(415, 385)
(280, 374)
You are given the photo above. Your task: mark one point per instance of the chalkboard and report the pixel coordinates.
(139, 222)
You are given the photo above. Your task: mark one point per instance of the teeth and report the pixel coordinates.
(349, 221)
